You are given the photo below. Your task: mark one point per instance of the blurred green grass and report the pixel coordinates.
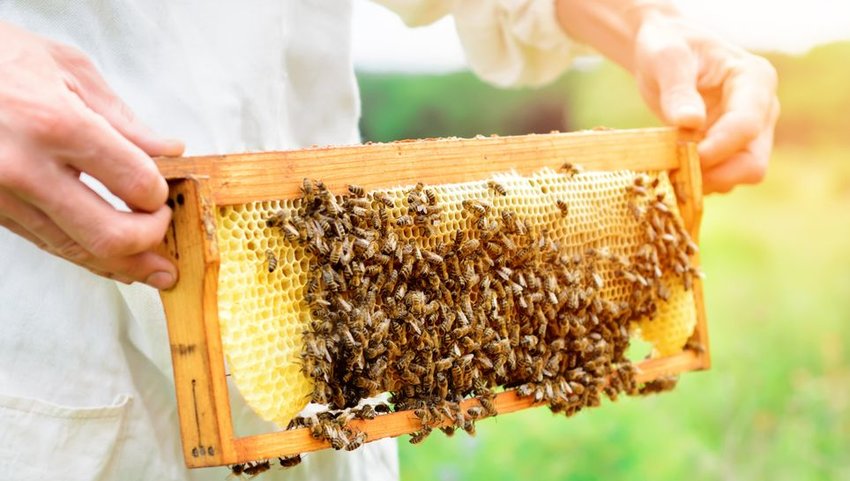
(776, 403)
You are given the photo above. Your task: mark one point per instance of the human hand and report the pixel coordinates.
(58, 119)
(694, 80)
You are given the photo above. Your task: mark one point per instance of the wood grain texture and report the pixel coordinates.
(691, 175)
(241, 178)
(191, 309)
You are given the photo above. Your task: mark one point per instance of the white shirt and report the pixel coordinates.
(86, 390)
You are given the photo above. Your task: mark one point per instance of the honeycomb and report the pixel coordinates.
(262, 310)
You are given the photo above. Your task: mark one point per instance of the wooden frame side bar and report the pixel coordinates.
(242, 178)
(688, 183)
(191, 309)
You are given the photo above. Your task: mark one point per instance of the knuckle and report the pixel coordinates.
(73, 251)
(72, 56)
(39, 224)
(767, 70)
(670, 53)
(12, 175)
(111, 242)
(748, 125)
(143, 183)
(49, 123)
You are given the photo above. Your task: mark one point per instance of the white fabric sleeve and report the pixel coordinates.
(507, 42)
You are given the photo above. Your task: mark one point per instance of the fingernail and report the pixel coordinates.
(160, 280)
(175, 146)
(689, 111)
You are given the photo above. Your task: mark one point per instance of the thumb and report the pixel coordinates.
(676, 76)
(82, 78)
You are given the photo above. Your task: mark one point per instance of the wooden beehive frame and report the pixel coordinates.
(200, 184)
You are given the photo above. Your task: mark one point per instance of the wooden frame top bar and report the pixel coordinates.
(252, 177)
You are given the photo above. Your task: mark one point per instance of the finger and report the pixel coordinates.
(89, 220)
(84, 80)
(86, 142)
(17, 229)
(672, 69)
(681, 103)
(111, 275)
(748, 166)
(749, 103)
(39, 229)
(148, 267)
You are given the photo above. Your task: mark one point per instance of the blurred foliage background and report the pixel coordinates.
(776, 403)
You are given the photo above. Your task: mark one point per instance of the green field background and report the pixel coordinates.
(776, 403)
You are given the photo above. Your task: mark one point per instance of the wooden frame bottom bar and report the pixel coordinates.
(298, 441)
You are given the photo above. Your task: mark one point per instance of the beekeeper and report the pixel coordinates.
(85, 379)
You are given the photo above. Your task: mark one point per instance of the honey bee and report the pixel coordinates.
(366, 412)
(661, 207)
(356, 190)
(336, 252)
(469, 427)
(570, 169)
(356, 441)
(238, 469)
(477, 207)
(469, 246)
(306, 187)
(360, 212)
(484, 224)
(290, 461)
(655, 182)
(432, 198)
(443, 364)
(497, 187)
(637, 190)
(367, 384)
(432, 257)
(290, 232)
(563, 207)
(420, 435)
(331, 204)
(336, 437)
(415, 300)
(488, 405)
(256, 468)
(457, 373)
(384, 199)
(277, 219)
(272, 260)
(407, 269)
(404, 221)
(476, 412)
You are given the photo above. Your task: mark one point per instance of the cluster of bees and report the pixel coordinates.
(436, 319)
(259, 467)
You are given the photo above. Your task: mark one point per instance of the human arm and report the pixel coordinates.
(58, 119)
(690, 78)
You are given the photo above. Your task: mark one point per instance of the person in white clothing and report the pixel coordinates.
(85, 379)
